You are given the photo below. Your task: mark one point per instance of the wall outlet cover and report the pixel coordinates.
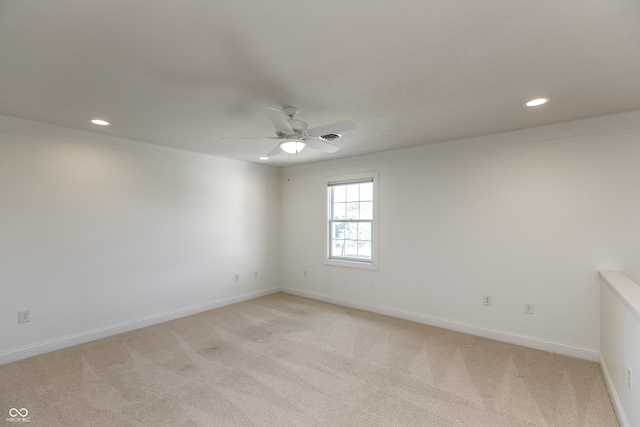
(528, 307)
(24, 316)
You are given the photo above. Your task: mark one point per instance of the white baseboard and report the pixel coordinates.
(505, 336)
(107, 331)
(613, 394)
(87, 336)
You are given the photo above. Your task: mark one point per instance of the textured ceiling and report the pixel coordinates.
(188, 73)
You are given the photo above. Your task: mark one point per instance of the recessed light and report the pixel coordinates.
(264, 158)
(536, 102)
(100, 122)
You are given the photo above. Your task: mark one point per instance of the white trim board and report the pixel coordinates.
(119, 328)
(92, 335)
(615, 400)
(627, 291)
(590, 354)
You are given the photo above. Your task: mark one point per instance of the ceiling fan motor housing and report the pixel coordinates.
(297, 134)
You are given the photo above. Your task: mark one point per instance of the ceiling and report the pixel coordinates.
(188, 73)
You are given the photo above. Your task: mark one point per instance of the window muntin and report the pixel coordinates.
(351, 220)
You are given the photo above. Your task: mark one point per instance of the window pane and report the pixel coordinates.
(337, 248)
(366, 191)
(339, 193)
(366, 210)
(364, 250)
(350, 248)
(337, 231)
(351, 230)
(339, 211)
(364, 231)
(353, 210)
(353, 192)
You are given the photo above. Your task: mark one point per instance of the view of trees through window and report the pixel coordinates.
(350, 221)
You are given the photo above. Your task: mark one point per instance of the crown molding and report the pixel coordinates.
(595, 125)
(600, 124)
(45, 130)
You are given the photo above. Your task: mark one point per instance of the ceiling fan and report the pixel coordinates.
(295, 134)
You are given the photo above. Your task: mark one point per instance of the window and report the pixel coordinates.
(351, 216)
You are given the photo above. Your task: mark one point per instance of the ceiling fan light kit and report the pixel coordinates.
(292, 146)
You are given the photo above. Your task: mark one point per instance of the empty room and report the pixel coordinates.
(244, 213)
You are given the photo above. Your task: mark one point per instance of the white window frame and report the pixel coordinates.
(346, 179)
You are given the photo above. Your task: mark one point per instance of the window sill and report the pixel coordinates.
(351, 264)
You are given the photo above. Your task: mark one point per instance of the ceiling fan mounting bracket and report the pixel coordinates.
(290, 112)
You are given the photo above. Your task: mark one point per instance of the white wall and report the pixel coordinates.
(99, 235)
(620, 344)
(523, 216)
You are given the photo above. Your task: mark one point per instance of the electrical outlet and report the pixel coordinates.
(305, 274)
(255, 274)
(486, 300)
(629, 378)
(528, 308)
(24, 316)
(236, 277)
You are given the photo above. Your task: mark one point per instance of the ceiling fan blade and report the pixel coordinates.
(250, 137)
(337, 128)
(275, 151)
(321, 145)
(278, 118)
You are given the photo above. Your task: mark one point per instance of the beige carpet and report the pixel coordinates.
(283, 360)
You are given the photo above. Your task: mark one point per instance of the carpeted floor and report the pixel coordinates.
(283, 360)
